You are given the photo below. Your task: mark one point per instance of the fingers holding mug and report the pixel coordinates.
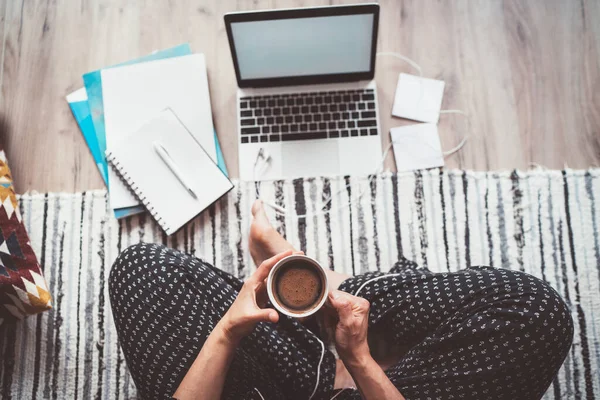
(349, 307)
(262, 272)
(261, 294)
(352, 325)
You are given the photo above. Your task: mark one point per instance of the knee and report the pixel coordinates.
(144, 267)
(549, 314)
(540, 320)
(550, 325)
(534, 299)
(544, 334)
(130, 264)
(131, 256)
(527, 322)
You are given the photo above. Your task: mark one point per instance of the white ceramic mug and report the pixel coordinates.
(282, 309)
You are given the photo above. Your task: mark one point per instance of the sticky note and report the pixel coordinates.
(417, 147)
(418, 98)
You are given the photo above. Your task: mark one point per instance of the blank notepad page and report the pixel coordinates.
(166, 198)
(133, 94)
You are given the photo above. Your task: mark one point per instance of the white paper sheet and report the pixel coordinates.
(133, 94)
(417, 98)
(417, 147)
(165, 196)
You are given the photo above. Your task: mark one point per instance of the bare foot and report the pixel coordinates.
(264, 240)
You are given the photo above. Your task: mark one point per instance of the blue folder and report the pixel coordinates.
(89, 115)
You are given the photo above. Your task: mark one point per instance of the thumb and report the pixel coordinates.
(267, 315)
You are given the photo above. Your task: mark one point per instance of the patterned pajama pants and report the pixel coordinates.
(480, 333)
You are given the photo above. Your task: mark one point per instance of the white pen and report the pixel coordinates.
(164, 155)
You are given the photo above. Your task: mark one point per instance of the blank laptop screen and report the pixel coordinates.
(295, 47)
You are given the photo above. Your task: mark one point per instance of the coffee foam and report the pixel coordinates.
(298, 286)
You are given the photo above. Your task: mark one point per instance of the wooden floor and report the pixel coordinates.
(526, 71)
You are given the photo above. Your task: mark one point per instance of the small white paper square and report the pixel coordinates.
(418, 98)
(417, 147)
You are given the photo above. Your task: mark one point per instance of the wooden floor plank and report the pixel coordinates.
(555, 78)
(526, 71)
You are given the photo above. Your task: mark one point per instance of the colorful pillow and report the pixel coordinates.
(23, 289)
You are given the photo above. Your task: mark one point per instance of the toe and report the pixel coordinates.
(257, 207)
(259, 213)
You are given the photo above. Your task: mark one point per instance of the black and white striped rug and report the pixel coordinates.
(546, 223)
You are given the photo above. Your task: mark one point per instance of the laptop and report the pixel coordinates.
(306, 100)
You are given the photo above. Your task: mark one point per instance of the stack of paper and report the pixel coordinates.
(168, 170)
(117, 100)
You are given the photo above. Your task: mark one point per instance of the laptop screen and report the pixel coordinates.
(303, 46)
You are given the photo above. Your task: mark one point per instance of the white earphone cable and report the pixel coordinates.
(318, 367)
(403, 58)
(338, 393)
(373, 279)
(259, 393)
(283, 212)
(464, 139)
(263, 160)
(326, 202)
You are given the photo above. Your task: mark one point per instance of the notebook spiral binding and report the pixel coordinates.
(136, 190)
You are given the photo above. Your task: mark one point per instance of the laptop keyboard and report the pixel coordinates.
(303, 116)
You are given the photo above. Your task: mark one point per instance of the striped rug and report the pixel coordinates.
(546, 223)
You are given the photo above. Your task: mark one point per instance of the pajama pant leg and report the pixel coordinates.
(165, 304)
(480, 333)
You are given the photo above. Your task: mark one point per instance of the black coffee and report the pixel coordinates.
(298, 285)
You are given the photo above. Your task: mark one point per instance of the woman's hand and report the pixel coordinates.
(246, 311)
(206, 376)
(351, 328)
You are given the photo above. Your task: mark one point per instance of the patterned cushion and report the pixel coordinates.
(23, 289)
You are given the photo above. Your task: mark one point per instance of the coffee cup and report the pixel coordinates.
(297, 286)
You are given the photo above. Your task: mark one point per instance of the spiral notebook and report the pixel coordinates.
(138, 163)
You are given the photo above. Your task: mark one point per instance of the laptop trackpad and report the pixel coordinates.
(310, 158)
